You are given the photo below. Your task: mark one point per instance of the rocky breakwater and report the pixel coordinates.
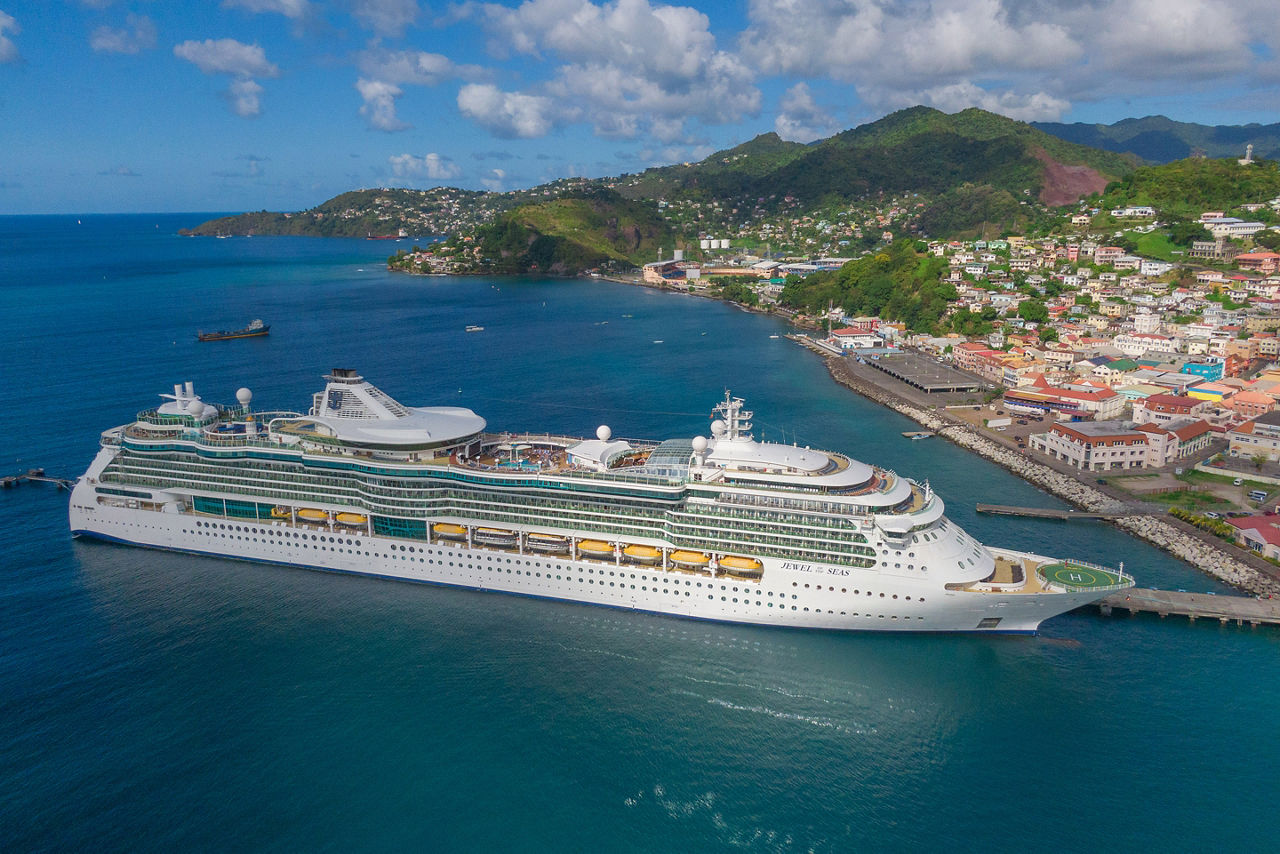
(1204, 555)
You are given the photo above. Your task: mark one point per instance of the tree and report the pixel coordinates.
(1183, 232)
(1048, 333)
(1258, 460)
(1267, 240)
(1033, 311)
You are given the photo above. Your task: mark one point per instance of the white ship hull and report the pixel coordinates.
(816, 596)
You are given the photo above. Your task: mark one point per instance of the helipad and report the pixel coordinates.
(1078, 576)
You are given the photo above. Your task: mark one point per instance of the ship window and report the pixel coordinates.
(842, 590)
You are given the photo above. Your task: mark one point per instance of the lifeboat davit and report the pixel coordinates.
(547, 543)
(312, 515)
(747, 567)
(642, 554)
(449, 531)
(595, 549)
(689, 560)
(494, 537)
(352, 519)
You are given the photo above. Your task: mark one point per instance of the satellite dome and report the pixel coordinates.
(244, 396)
(603, 433)
(209, 410)
(718, 428)
(699, 444)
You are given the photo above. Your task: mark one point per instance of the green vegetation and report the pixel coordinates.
(572, 233)
(1186, 188)
(897, 283)
(1214, 526)
(1157, 244)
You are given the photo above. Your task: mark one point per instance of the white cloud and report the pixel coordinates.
(494, 180)
(801, 119)
(295, 9)
(385, 17)
(8, 50)
(1026, 59)
(242, 61)
(140, 35)
(227, 56)
(416, 67)
(385, 71)
(379, 108)
(432, 166)
(508, 114)
(1033, 107)
(244, 95)
(627, 67)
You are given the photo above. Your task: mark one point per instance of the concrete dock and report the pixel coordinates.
(1224, 608)
(1046, 513)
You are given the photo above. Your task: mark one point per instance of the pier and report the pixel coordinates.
(1046, 513)
(1224, 608)
(35, 476)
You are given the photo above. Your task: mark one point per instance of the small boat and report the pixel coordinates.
(689, 560)
(494, 537)
(547, 543)
(254, 330)
(595, 548)
(352, 519)
(280, 513)
(475, 329)
(747, 567)
(449, 531)
(642, 554)
(310, 514)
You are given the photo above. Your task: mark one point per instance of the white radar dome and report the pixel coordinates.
(718, 428)
(699, 444)
(603, 433)
(209, 410)
(244, 396)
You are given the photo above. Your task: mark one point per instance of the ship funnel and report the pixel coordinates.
(191, 389)
(177, 391)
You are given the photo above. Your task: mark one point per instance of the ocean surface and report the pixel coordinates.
(162, 702)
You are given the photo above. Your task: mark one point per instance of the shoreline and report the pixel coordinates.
(1165, 533)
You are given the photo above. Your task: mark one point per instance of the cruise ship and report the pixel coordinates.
(717, 527)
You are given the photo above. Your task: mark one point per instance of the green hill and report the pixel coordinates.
(359, 213)
(896, 283)
(1157, 139)
(574, 232)
(920, 150)
(1187, 188)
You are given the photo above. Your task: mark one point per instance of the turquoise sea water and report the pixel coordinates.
(161, 702)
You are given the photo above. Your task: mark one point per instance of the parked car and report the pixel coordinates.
(1212, 515)
(1238, 482)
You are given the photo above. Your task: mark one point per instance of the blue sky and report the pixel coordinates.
(165, 105)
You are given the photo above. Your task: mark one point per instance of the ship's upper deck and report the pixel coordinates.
(353, 419)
